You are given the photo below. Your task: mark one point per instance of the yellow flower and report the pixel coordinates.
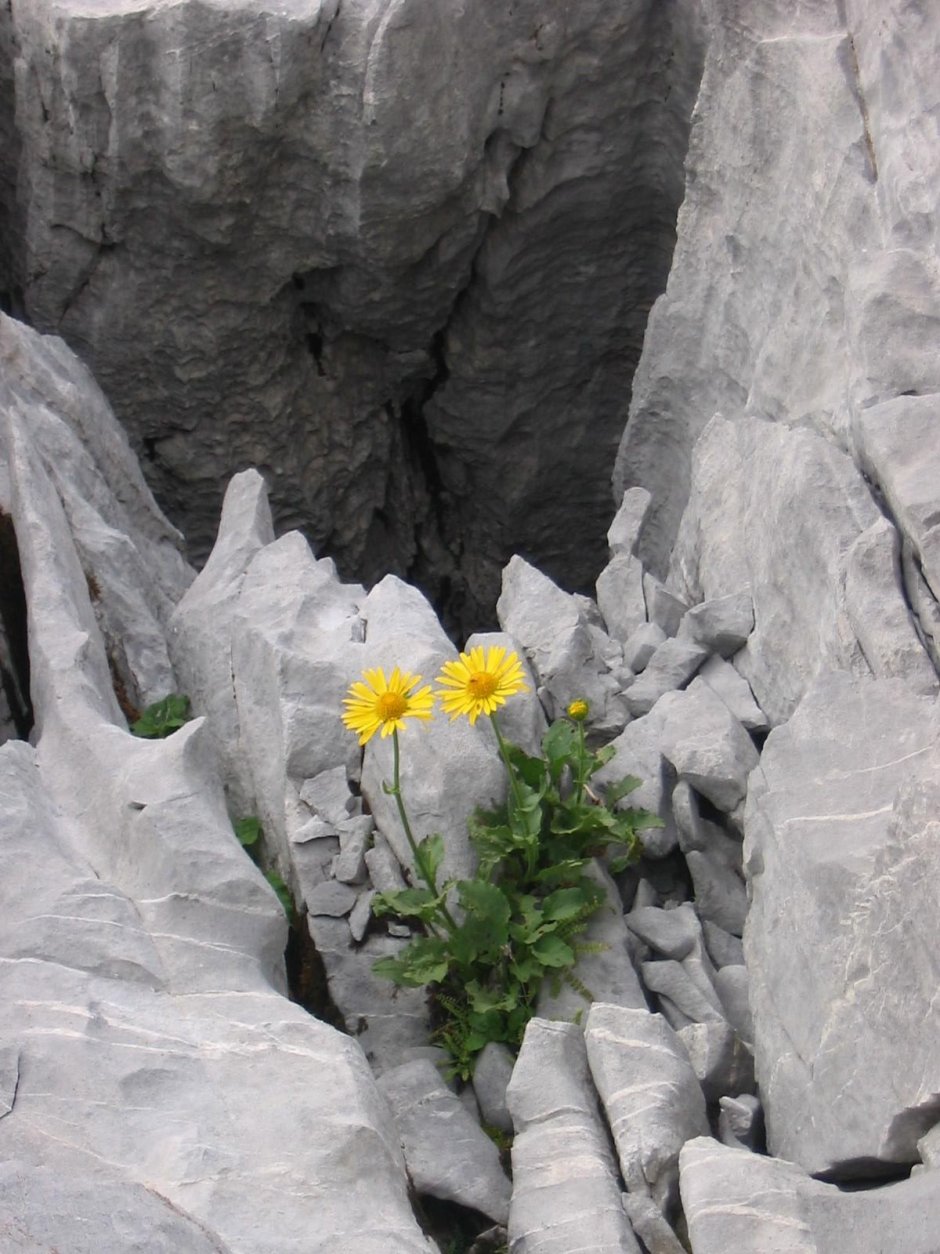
(578, 710)
(476, 685)
(383, 705)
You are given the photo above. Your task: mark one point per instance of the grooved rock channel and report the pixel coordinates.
(397, 254)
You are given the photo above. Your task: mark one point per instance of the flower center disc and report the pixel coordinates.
(391, 705)
(482, 685)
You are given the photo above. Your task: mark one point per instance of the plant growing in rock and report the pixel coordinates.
(163, 717)
(490, 942)
(250, 833)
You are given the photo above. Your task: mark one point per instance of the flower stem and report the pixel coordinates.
(424, 870)
(582, 764)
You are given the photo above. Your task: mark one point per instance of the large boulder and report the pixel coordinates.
(842, 857)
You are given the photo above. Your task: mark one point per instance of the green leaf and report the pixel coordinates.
(163, 717)
(408, 903)
(531, 771)
(422, 961)
(560, 745)
(552, 951)
(621, 788)
(603, 755)
(567, 903)
(432, 853)
(485, 929)
(248, 830)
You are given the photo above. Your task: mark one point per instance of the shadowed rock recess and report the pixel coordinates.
(390, 263)
(397, 254)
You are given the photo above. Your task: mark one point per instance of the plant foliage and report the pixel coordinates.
(163, 717)
(517, 922)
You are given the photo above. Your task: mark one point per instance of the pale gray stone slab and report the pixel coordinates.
(620, 596)
(637, 753)
(491, 1075)
(650, 1094)
(671, 666)
(650, 1225)
(663, 607)
(623, 534)
(741, 1121)
(328, 795)
(447, 1153)
(779, 510)
(707, 745)
(841, 854)
(736, 693)
(669, 979)
(641, 645)
(672, 933)
(566, 1188)
(736, 1200)
(720, 893)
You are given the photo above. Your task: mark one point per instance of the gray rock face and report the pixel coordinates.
(373, 199)
(817, 192)
(566, 1192)
(158, 1065)
(840, 851)
(736, 1200)
(780, 510)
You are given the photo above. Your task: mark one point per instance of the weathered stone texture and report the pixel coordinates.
(304, 237)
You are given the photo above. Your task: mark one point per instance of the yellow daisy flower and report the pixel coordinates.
(578, 710)
(476, 684)
(380, 705)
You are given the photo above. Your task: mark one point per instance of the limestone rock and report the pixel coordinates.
(447, 1153)
(641, 645)
(707, 745)
(736, 693)
(780, 510)
(663, 607)
(652, 1100)
(721, 625)
(491, 1075)
(623, 534)
(560, 643)
(721, 1061)
(671, 666)
(637, 753)
(736, 1200)
(566, 1192)
(620, 596)
(374, 200)
(129, 555)
(840, 854)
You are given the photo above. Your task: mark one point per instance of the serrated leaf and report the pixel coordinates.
(408, 903)
(620, 788)
(423, 961)
(432, 853)
(604, 755)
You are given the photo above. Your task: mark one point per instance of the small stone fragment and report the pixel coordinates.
(722, 1063)
(672, 666)
(641, 645)
(724, 949)
(662, 606)
(741, 1121)
(669, 979)
(650, 1225)
(328, 795)
(707, 745)
(620, 596)
(722, 625)
(624, 532)
(736, 693)
(731, 985)
(491, 1077)
(720, 895)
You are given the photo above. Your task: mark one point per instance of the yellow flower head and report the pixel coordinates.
(476, 685)
(380, 705)
(578, 710)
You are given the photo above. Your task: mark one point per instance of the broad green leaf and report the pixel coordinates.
(423, 961)
(248, 831)
(552, 951)
(163, 717)
(408, 903)
(567, 903)
(603, 755)
(560, 746)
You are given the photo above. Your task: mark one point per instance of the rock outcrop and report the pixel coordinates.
(762, 653)
(303, 238)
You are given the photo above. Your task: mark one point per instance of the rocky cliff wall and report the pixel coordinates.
(396, 254)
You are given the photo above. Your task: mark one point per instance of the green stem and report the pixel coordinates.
(529, 853)
(424, 871)
(582, 764)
